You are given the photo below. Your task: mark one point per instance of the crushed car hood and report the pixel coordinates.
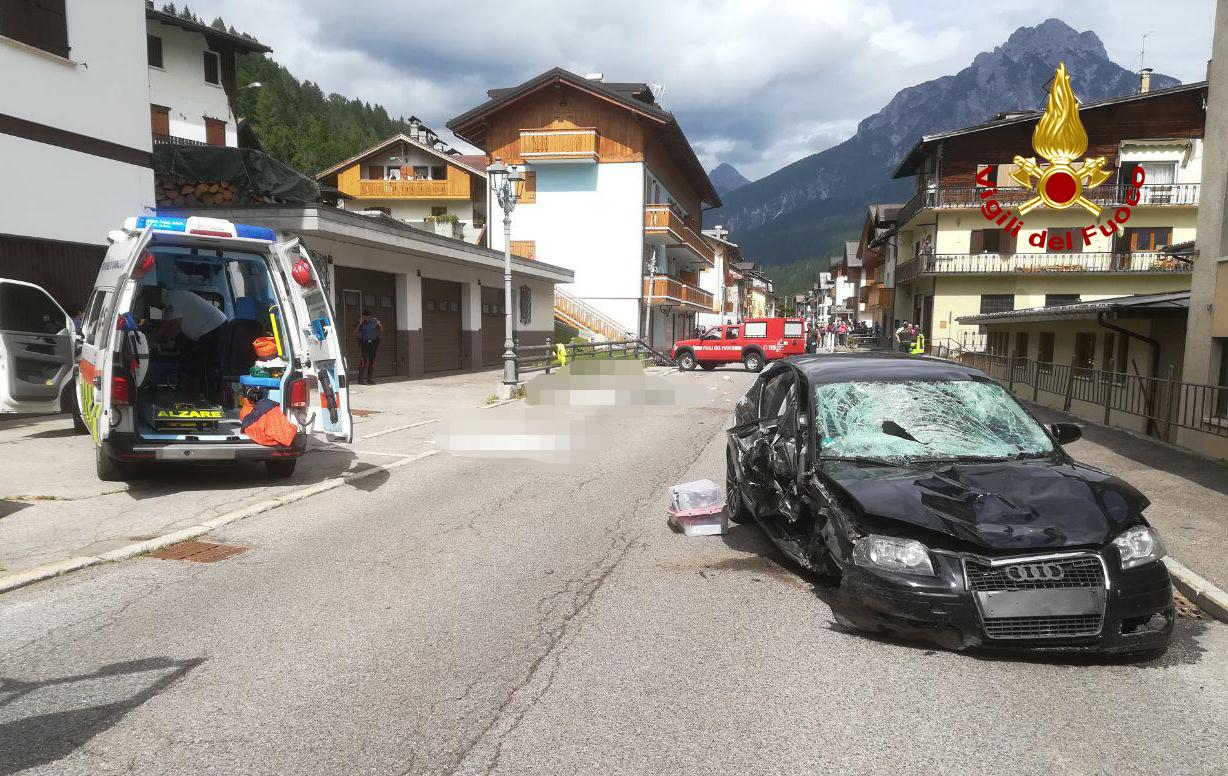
(1006, 506)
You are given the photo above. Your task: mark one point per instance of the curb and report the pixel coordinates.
(48, 570)
(1202, 593)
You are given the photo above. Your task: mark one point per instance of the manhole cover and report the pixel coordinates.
(1186, 608)
(362, 413)
(198, 552)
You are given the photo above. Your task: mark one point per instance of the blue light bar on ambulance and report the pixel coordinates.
(205, 227)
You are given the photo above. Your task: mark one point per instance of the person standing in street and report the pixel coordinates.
(368, 332)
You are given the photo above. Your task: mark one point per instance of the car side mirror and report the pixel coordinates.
(1065, 433)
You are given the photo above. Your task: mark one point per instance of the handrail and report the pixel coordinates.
(544, 358)
(1039, 263)
(585, 316)
(1113, 194)
(663, 218)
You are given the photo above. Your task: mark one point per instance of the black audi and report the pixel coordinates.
(937, 507)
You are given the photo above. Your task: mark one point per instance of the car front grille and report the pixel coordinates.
(1085, 571)
(1043, 627)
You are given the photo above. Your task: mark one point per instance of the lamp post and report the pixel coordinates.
(502, 181)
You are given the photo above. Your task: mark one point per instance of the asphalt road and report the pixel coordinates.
(464, 616)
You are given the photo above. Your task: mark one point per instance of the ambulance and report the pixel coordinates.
(192, 322)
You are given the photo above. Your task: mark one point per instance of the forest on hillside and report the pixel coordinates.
(295, 121)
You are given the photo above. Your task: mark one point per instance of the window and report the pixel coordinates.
(375, 172)
(793, 329)
(211, 69)
(1044, 349)
(153, 44)
(525, 304)
(1221, 399)
(1147, 238)
(1057, 300)
(988, 241)
(215, 132)
(731, 333)
(29, 309)
(756, 329)
(439, 173)
(1085, 350)
(97, 308)
(997, 303)
(1070, 241)
(38, 23)
(439, 210)
(160, 119)
(421, 172)
(1159, 172)
(772, 403)
(998, 342)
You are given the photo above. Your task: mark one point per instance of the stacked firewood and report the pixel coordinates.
(178, 192)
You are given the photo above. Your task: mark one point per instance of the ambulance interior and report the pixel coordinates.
(212, 338)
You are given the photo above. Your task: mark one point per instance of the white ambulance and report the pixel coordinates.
(191, 321)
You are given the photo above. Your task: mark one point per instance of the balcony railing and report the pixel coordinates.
(576, 144)
(173, 140)
(451, 188)
(1037, 263)
(1111, 195)
(880, 297)
(662, 289)
(662, 222)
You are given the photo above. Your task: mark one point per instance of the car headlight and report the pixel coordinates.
(891, 554)
(1139, 545)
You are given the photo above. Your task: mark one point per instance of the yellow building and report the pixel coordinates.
(953, 261)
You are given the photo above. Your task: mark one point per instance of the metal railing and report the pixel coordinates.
(1163, 402)
(576, 312)
(1039, 263)
(663, 289)
(544, 358)
(1108, 195)
(173, 140)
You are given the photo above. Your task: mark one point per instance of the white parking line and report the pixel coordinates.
(397, 428)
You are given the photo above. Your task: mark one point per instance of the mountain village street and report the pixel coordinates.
(463, 615)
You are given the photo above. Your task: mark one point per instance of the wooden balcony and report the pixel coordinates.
(880, 298)
(451, 188)
(663, 226)
(559, 144)
(662, 289)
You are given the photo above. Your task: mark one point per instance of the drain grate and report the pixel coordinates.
(1186, 609)
(198, 552)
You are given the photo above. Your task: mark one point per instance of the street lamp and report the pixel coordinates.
(502, 181)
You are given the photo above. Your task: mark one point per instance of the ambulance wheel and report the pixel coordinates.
(686, 360)
(109, 469)
(753, 361)
(707, 367)
(280, 469)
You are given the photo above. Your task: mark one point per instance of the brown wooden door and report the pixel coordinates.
(364, 289)
(215, 132)
(160, 119)
(441, 325)
(493, 325)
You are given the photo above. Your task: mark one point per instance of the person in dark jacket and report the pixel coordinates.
(368, 332)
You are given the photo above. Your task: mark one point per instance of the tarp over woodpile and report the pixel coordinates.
(254, 175)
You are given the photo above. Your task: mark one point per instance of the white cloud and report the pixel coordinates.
(755, 84)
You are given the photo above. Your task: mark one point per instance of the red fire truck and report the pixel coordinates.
(754, 342)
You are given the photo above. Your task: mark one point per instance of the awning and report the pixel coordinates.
(1163, 305)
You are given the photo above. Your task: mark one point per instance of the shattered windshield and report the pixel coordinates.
(963, 420)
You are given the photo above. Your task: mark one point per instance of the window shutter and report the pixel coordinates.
(160, 119)
(526, 192)
(211, 72)
(38, 23)
(215, 132)
(978, 241)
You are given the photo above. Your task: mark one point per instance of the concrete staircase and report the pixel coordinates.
(572, 311)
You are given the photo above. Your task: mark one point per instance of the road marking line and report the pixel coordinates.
(49, 570)
(397, 428)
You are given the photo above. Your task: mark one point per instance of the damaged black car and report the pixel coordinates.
(938, 508)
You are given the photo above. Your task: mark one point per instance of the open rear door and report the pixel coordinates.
(36, 349)
(315, 334)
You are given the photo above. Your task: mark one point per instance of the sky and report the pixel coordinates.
(758, 85)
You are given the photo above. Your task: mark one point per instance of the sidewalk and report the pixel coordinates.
(1189, 493)
(53, 508)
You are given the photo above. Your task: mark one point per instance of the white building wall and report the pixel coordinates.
(588, 218)
(98, 92)
(181, 86)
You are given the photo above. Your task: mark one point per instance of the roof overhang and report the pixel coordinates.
(400, 137)
(218, 40)
(386, 234)
(1174, 304)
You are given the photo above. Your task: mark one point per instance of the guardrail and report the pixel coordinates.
(1164, 403)
(544, 358)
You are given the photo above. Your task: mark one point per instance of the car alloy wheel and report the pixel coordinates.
(686, 361)
(734, 508)
(753, 362)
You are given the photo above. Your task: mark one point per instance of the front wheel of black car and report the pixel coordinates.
(686, 360)
(737, 511)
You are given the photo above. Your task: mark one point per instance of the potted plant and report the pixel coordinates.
(446, 225)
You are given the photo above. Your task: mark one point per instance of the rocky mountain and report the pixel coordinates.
(726, 178)
(806, 209)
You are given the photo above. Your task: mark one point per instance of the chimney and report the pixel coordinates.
(1144, 80)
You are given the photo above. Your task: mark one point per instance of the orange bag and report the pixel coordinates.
(265, 424)
(265, 347)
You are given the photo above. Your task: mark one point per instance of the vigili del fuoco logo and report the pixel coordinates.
(1060, 139)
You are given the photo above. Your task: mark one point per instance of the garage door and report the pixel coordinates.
(441, 325)
(493, 324)
(365, 289)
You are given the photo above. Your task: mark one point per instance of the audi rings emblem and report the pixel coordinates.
(1035, 572)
